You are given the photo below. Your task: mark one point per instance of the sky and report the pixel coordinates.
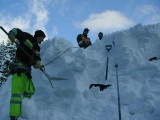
(67, 18)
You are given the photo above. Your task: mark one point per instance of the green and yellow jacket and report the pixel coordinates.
(28, 43)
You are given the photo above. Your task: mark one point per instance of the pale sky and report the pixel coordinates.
(68, 18)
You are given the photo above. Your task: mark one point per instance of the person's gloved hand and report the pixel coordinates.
(38, 65)
(11, 35)
(12, 38)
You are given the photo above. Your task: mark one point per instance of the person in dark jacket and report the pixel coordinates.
(83, 40)
(27, 55)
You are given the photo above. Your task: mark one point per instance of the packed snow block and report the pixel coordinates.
(78, 62)
(5, 95)
(72, 100)
(141, 106)
(127, 98)
(156, 114)
(54, 47)
(28, 111)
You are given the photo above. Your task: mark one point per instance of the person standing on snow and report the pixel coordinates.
(27, 54)
(83, 40)
(97, 43)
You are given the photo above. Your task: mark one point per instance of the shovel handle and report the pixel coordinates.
(4, 30)
(108, 47)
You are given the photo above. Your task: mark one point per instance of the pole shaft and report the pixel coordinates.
(107, 68)
(119, 105)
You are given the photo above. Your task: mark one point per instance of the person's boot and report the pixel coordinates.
(14, 118)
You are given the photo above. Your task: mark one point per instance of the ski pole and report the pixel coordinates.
(47, 76)
(59, 55)
(119, 105)
(26, 54)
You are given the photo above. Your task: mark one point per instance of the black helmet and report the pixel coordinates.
(86, 29)
(100, 35)
(39, 33)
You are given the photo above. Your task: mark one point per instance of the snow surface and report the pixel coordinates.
(139, 79)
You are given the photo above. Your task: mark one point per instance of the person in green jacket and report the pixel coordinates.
(27, 55)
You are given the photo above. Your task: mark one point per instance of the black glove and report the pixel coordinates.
(38, 65)
(153, 58)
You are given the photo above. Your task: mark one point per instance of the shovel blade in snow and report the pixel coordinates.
(101, 86)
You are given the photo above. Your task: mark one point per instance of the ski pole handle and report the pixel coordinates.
(108, 47)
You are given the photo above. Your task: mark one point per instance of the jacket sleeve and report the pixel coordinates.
(90, 43)
(18, 34)
(79, 38)
(36, 54)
